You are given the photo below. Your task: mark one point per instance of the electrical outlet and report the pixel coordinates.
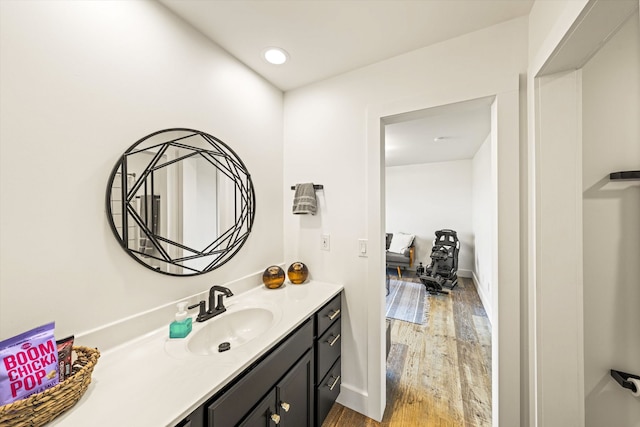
(325, 242)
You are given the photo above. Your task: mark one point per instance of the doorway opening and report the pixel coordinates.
(505, 274)
(438, 174)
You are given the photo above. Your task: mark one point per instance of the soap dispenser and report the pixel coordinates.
(180, 327)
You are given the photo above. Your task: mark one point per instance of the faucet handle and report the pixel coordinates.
(220, 305)
(202, 306)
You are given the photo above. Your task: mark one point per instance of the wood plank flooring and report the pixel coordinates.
(439, 373)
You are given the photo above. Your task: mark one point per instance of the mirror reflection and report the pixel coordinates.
(180, 202)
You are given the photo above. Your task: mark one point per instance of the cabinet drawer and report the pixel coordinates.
(328, 314)
(327, 392)
(235, 403)
(328, 349)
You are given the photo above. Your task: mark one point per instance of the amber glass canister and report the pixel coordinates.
(273, 277)
(298, 273)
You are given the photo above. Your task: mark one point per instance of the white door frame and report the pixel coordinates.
(506, 342)
(556, 321)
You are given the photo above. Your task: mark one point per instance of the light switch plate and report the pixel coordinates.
(362, 248)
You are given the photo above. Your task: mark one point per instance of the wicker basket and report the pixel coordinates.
(40, 408)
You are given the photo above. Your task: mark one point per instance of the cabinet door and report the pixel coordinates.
(231, 407)
(295, 394)
(264, 414)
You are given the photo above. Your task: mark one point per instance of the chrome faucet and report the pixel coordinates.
(219, 308)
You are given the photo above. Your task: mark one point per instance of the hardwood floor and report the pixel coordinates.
(439, 373)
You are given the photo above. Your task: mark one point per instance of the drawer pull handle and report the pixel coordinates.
(275, 418)
(333, 315)
(335, 381)
(333, 341)
(285, 406)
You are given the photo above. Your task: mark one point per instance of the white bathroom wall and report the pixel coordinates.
(80, 83)
(558, 294)
(481, 220)
(326, 136)
(611, 212)
(423, 198)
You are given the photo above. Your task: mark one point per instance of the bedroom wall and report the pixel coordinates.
(423, 198)
(482, 224)
(80, 83)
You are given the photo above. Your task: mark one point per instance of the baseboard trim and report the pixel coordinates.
(484, 299)
(467, 274)
(353, 399)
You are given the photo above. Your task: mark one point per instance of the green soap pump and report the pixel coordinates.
(181, 327)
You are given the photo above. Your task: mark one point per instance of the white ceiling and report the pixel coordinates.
(461, 129)
(325, 38)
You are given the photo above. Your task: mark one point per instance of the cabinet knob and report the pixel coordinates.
(285, 406)
(275, 418)
(333, 315)
(333, 340)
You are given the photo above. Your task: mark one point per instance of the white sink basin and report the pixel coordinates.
(241, 324)
(236, 328)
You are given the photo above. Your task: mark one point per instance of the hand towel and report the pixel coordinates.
(304, 200)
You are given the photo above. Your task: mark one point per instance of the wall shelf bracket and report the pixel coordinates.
(624, 175)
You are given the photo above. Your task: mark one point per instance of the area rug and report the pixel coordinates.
(406, 301)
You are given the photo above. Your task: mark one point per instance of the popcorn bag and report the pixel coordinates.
(28, 364)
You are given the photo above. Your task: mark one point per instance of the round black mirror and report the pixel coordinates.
(180, 202)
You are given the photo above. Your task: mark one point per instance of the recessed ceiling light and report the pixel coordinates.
(440, 138)
(275, 55)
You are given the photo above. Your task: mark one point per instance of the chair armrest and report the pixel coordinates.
(411, 255)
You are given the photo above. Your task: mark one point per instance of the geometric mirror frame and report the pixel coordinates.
(180, 202)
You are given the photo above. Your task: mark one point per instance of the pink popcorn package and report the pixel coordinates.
(28, 364)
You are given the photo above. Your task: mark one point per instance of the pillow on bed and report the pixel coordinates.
(400, 242)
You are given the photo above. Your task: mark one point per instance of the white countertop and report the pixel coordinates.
(139, 383)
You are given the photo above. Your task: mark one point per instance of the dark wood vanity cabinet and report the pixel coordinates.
(195, 419)
(290, 402)
(328, 344)
(272, 375)
(294, 385)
